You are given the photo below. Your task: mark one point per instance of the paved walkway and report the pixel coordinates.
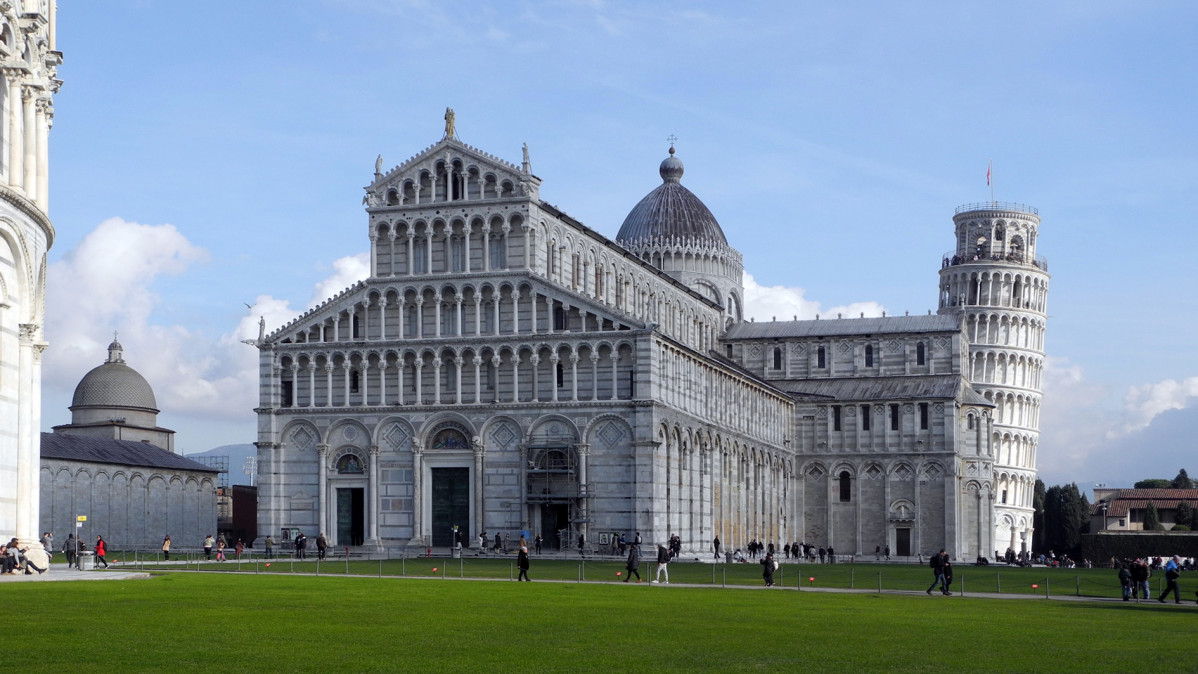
(59, 572)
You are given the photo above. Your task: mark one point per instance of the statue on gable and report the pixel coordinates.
(450, 131)
(378, 165)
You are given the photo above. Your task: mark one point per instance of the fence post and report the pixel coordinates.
(879, 582)
(713, 574)
(461, 567)
(584, 570)
(724, 578)
(852, 580)
(1046, 588)
(380, 567)
(998, 577)
(962, 585)
(1078, 580)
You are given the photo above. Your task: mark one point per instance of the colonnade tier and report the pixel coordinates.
(1014, 449)
(1020, 410)
(453, 179)
(1018, 288)
(1009, 329)
(435, 309)
(28, 116)
(675, 256)
(604, 370)
(990, 367)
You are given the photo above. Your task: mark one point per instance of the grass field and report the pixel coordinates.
(272, 622)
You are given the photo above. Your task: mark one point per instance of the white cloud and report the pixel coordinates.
(1144, 403)
(106, 284)
(784, 303)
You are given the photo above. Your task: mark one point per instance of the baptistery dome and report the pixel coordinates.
(671, 212)
(114, 385)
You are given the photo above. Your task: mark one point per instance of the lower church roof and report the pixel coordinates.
(116, 452)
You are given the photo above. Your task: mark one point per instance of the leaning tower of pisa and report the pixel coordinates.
(997, 281)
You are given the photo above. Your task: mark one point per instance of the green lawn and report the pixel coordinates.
(272, 621)
(970, 579)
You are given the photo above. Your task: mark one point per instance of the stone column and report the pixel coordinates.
(428, 253)
(437, 314)
(399, 368)
(294, 385)
(345, 369)
(457, 373)
(615, 374)
(374, 495)
(478, 383)
(12, 123)
(574, 376)
(554, 362)
(382, 318)
(507, 228)
(412, 244)
(29, 126)
(311, 383)
(584, 454)
(364, 385)
(466, 232)
(417, 493)
(529, 262)
(478, 314)
(594, 376)
(419, 367)
(437, 381)
(400, 307)
(382, 380)
(391, 250)
(328, 373)
(532, 300)
(457, 304)
(515, 377)
(322, 457)
(479, 487)
(498, 299)
(44, 120)
(28, 439)
(487, 248)
(419, 317)
(534, 360)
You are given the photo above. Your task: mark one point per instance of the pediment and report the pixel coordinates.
(420, 180)
(343, 301)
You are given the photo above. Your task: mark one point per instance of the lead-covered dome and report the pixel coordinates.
(114, 385)
(671, 213)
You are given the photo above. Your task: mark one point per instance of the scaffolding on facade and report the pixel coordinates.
(555, 487)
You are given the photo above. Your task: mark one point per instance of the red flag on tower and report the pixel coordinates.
(989, 167)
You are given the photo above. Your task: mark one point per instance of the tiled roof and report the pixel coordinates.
(926, 387)
(845, 326)
(117, 452)
(1126, 500)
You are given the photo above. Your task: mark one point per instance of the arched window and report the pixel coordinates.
(821, 358)
(846, 487)
(349, 464)
(865, 417)
(920, 355)
(777, 358)
(869, 355)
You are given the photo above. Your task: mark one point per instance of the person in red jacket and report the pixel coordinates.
(101, 550)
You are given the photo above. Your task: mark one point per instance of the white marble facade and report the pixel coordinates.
(28, 81)
(506, 368)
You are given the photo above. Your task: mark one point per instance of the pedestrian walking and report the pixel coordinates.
(70, 548)
(715, 544)
(166, 548)
(322, 544)
(270, 547)
(937, 564)
(663, 563)
(537, 542)
(633, 565)
(1172, 573)
(101, 550)
(209, 541)
(768, 567)
(48, 545)
(1125, 582)
(522, 562)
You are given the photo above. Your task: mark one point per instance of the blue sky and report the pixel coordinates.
(209, 155)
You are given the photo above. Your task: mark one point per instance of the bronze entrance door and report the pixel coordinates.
(451, 504)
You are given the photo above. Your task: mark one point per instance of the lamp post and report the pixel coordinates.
(1103, 507)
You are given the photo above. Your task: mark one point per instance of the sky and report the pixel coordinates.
(208, 159)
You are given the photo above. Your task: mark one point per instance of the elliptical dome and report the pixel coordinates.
(114, 384)
(671, 212)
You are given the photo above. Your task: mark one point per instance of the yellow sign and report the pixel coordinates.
(81, 518)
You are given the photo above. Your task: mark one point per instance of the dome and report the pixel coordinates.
(671, 212)
(114, 384)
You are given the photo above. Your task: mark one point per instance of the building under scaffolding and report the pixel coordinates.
(556, 489)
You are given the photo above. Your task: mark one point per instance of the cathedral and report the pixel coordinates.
(28, 82)
(506, 369)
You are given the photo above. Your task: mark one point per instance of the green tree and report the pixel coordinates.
(1066, 518)
(1154, 483)
(1038, 517)
(1182, 481)
(1152, 519)
(1184, 516)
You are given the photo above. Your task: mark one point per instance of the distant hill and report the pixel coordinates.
(237, 455)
